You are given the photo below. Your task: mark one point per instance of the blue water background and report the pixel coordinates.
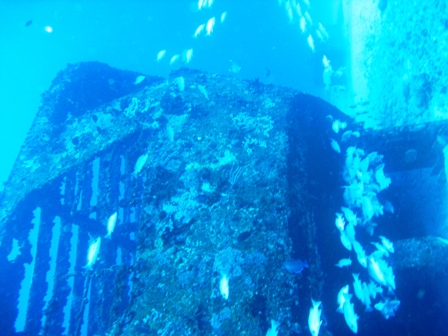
(256, 34)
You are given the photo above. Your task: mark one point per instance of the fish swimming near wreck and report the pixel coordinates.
(314, 321)
(92, 254)
(295, 266)
(139, 164)
(111, 225)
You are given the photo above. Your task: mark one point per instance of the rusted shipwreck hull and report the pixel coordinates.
(239, 177)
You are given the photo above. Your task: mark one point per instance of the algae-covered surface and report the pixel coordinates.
(397, 61)
(201, 204)
(196, 167)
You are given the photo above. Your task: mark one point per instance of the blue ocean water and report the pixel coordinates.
(256, 35)
(280, 42)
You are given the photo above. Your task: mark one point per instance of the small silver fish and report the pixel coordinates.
(199, 30)
(344, 263)
(310, 41)
(234, 67)
(139, 164)
(388, 245)
(314, 321)
(335, 146)
(203, 91)
(202, 3)
(224, 286)
(174, 59)
(111, 225)
(161, 54)
(302, 24)
(341, 298)
(187, 55)
(139, 79)
(337, 125)
(325, 61)
(92, 254)
(180, 81)
(223, 17)
(323, 31)
(210, 25)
